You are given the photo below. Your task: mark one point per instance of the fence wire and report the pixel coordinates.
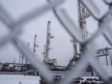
(104, 29)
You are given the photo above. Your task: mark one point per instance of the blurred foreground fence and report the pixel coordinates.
(104, 20)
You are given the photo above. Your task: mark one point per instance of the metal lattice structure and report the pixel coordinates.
(105, 30)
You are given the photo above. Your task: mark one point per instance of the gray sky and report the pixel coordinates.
(62, 48)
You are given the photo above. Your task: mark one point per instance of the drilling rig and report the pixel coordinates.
(51, 63)
(47, 46)
(35, 44)
(83, 14)
(49, 36)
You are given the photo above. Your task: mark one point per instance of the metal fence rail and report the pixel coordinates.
(105, 30)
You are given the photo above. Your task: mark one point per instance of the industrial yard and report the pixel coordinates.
(81, 53)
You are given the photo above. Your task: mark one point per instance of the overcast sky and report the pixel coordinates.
(62, 48)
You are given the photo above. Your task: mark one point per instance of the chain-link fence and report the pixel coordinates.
(104, 20)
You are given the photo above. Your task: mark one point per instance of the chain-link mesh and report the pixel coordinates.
(104, 20)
